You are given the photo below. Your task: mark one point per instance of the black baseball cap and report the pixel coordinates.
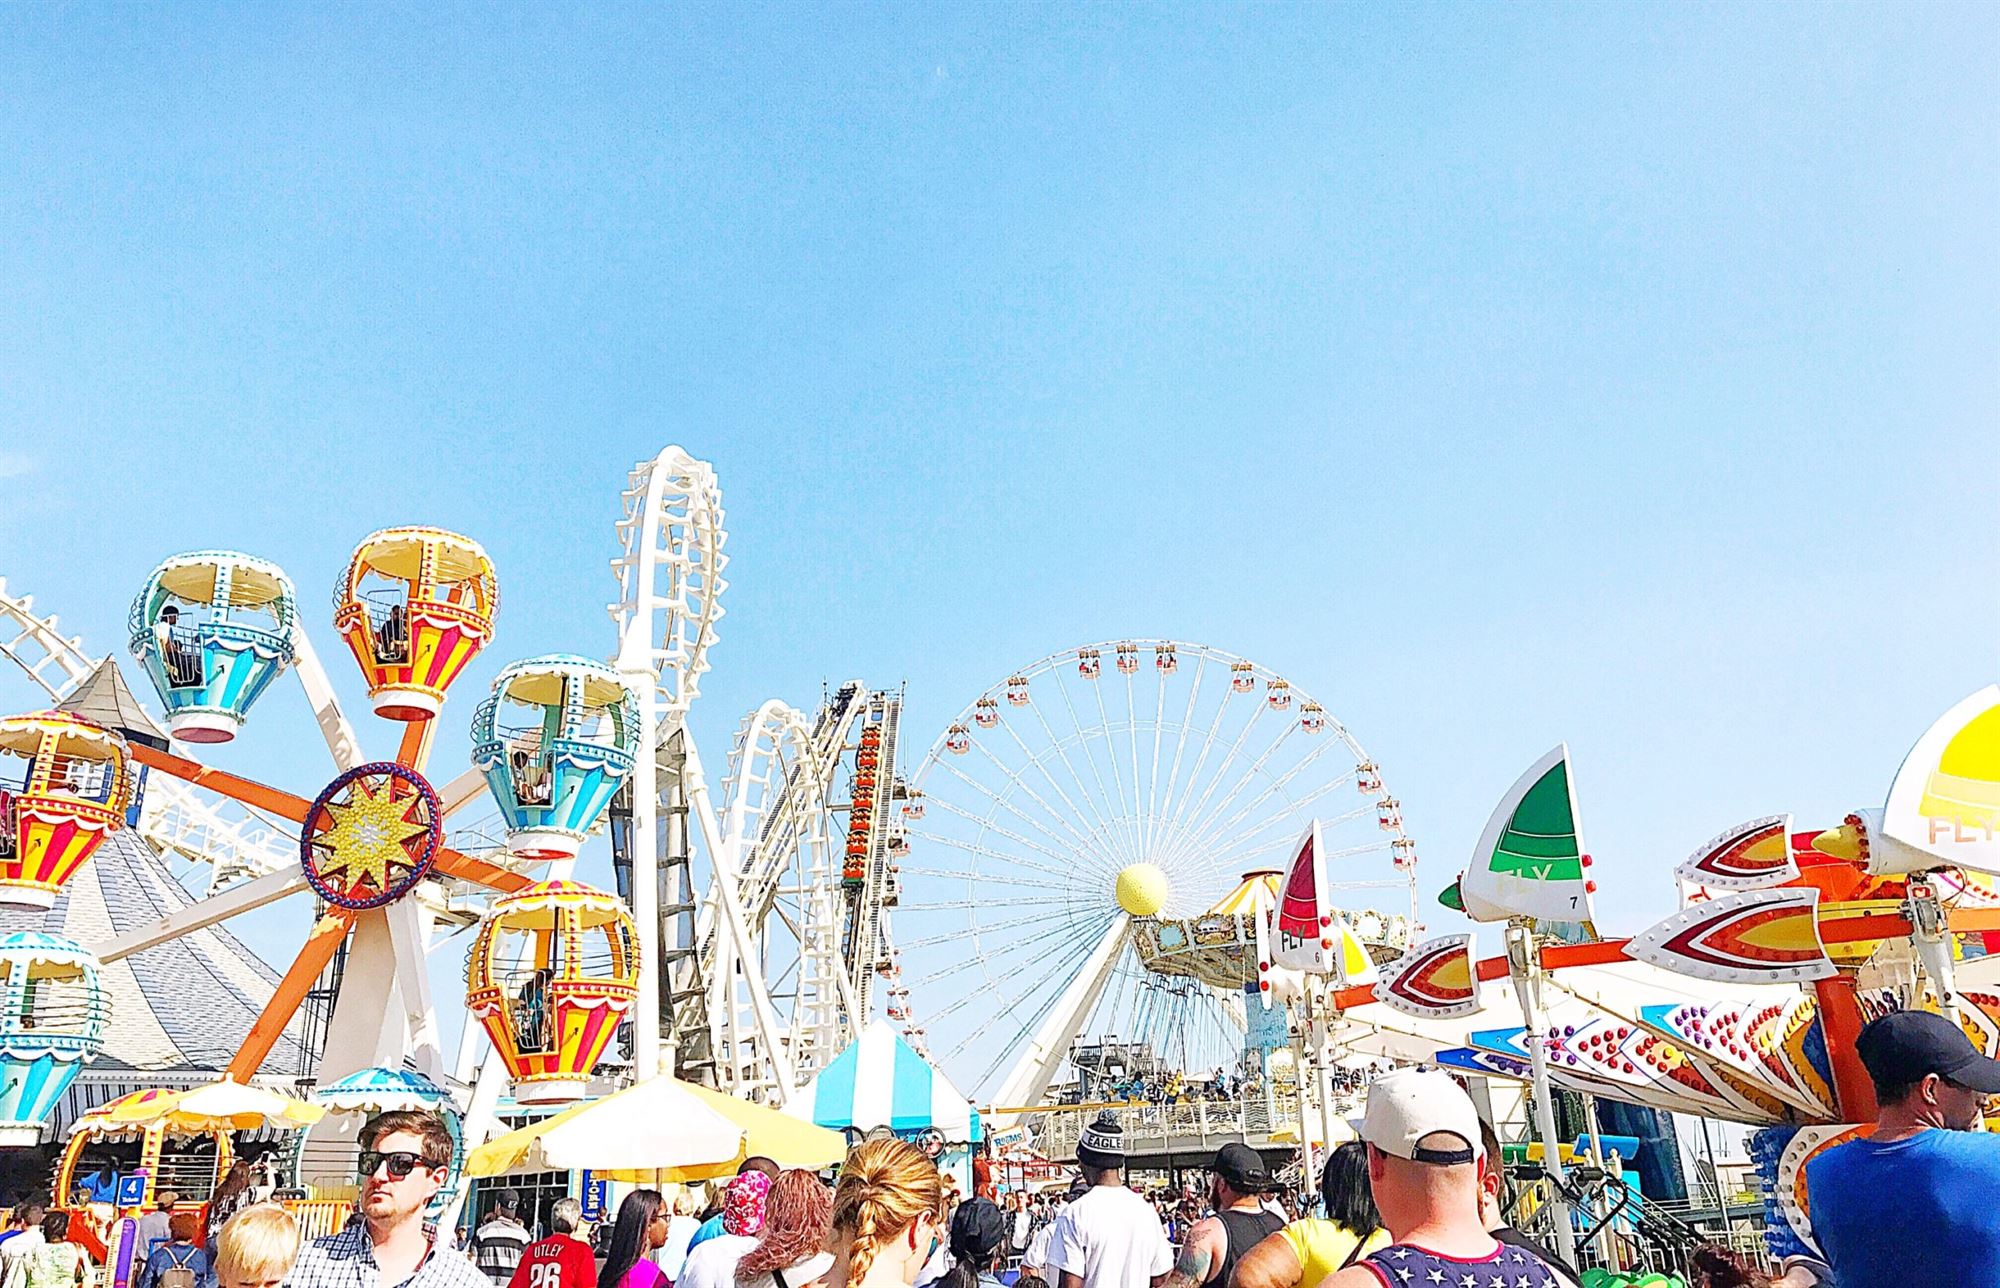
(978, 1229)
(1901, 1048)
(1243, 1167)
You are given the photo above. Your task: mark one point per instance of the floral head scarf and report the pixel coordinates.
(743, 1204)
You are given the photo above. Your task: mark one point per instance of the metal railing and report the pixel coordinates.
(1619, 1229)
(1159, 1125)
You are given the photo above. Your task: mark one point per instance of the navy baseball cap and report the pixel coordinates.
(978, 1229)
(1902, 1047)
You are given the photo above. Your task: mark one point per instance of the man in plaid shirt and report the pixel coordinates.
(405, 1156)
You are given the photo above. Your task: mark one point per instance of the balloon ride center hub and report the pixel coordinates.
(371, 836)
(1142, 889)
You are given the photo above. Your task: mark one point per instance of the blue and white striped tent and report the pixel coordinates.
(878, 1081)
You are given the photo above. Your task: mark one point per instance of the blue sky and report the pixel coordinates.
(1623, 374)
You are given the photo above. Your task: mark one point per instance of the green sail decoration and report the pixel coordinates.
(1530, 859)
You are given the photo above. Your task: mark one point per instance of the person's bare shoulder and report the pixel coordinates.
(1356, 1276)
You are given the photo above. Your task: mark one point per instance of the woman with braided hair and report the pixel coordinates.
(888, 1211)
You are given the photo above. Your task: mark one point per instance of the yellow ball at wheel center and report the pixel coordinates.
(1142, 889)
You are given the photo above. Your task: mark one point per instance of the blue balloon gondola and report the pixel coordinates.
(53, 1010)
(555, 740)
(212, 629)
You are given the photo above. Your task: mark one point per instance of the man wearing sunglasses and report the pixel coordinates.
(405, 1156)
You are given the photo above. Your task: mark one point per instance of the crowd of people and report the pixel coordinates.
(1417, 1200)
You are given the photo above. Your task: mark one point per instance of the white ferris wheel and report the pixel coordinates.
(1091, 794)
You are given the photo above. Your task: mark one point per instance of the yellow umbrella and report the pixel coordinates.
(247, 1108)
(777, 1135)
(660, 1130)
(218, 1106)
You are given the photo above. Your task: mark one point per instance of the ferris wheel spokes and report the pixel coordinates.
(1038, 762)
(1045, 1051)
(1214, 831)
(1076, 839)
(1101, 821)
(1063, 861)
(1086, 808)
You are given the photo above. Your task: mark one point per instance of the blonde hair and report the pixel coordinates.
(257, 1244)
(885, 1185)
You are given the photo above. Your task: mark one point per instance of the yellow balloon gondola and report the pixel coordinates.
(64, 784)
(551, 975)
(415, 605)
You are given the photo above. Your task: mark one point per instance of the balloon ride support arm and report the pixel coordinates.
(286, 999)
(244, 896)
(333, 725)
(415, 748)
(466, 868)
(256, 795)
(285, 805)
(461, 791)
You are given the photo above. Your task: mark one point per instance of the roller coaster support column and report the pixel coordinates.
(1524, 965)
(635, 665)
(769, 1036)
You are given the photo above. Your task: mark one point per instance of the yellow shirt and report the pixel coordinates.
(1322, 1247)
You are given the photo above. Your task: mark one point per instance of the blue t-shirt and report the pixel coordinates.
(709, 1229)
(1915, 1213)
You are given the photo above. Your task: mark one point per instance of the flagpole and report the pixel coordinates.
(1322, 1076)
(1524, 965)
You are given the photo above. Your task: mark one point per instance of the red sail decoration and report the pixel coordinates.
(1304, 930)
(1750, 856)
(1435, 980)
(1754, 937)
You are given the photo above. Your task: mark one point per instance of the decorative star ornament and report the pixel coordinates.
(367, 838)
(359, 841)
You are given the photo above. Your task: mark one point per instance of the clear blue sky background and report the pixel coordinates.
(1618, 373)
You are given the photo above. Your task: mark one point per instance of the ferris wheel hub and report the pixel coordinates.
(1142, 889)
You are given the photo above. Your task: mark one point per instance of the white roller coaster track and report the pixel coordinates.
(670, 584)
(233, 844)
(781, 771)
(771, 837)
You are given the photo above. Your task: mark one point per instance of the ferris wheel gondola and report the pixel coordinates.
(1074, 803)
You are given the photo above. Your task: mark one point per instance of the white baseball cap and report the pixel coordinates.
(1407, 1105)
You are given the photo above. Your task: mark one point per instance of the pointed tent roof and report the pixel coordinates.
(105, 700)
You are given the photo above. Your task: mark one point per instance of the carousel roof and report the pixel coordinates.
(1256, 890)
(181, 1006)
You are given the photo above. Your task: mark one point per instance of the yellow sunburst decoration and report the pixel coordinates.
(371, 835)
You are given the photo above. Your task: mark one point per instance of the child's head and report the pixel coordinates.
(256, 1247)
